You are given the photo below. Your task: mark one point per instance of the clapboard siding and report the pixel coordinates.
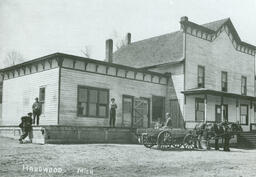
(70, 79)
(216, 56)
(19, 94)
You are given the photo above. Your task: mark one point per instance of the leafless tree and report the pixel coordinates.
(86, 51)
(119, 41)
(12, 58)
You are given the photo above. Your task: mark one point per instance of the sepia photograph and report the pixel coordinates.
(127, 88)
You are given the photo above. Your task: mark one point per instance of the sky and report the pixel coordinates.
(36, 28)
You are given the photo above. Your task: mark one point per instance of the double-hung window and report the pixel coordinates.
(224, 81)
(42, 99)
(201, 77)
(92, 102)
(199, 109)
(243, 85)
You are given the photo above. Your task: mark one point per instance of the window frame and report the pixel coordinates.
(98, 104)
(198, 77)
(245, 86)
(196, 102)
(247, 114)
(222, 82)
(42, 102)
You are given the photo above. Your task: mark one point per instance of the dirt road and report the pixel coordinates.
(110, 160)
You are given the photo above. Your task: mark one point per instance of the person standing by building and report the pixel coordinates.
(26, 126)
(113, 108)
(36, 107)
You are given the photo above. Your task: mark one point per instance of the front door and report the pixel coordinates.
(217, 113)
(127, 111)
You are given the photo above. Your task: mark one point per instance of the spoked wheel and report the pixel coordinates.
(164, 140)
(189, 142)
(147, 141)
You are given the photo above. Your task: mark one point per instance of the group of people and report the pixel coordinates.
(27, 121)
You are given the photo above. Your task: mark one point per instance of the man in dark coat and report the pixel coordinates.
(26, 126)
(227, 136)
(36, 107)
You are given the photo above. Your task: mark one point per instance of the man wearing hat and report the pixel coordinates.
(36, 107)
(26, 126)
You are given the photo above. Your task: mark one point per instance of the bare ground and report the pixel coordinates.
(121, 160)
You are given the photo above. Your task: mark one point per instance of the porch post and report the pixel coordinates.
(222, 108)
(237, 110)
(205, 107)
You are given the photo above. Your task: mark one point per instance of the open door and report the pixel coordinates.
(127, 111)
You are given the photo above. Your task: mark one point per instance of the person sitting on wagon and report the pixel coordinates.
(168, 122)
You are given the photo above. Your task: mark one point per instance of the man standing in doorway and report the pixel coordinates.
(113, 108)
(36, 107)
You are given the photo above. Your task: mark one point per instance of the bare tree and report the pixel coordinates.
(12, 58)
(119, 41)
(86, 51)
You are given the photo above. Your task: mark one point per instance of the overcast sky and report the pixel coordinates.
(40, 27)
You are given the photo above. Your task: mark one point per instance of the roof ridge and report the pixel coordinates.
(153, 37)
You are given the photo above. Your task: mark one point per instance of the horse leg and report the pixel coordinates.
(216, 144)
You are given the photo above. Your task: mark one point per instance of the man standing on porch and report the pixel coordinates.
(113, 107)
(36, 107)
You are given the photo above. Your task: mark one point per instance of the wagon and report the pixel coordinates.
(166, 138)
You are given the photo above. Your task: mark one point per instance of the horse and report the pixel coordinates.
(206, 131)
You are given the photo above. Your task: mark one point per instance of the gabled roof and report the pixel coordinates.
(153, 51)
(215, 25)
(168, 48)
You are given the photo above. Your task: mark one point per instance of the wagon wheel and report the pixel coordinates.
(147, 141)
(189, 142)
(164, 140)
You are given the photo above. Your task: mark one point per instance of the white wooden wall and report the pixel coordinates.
(19, 94)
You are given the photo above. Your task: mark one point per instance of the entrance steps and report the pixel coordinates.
(247, 139)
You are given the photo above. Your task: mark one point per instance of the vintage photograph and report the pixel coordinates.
(127, 88)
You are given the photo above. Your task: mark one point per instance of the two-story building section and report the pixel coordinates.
(212, 71)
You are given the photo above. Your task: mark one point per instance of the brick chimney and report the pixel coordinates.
(128, 38)
(109, 50)
(183, 20)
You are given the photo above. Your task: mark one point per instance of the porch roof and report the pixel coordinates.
(205, 91)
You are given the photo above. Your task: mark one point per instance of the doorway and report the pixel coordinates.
(158, 108)
(218, 112)
(127, 111)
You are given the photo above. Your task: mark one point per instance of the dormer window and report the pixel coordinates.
(200, 77)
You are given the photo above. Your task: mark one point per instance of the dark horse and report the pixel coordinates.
(206, 131)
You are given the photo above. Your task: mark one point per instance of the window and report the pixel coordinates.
(244, 114)
(92, 102)
(42, 99)
(243, 85)
(201, 77)
(199, 109)
(224, 81)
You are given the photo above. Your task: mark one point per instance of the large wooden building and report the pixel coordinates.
(199, 73)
